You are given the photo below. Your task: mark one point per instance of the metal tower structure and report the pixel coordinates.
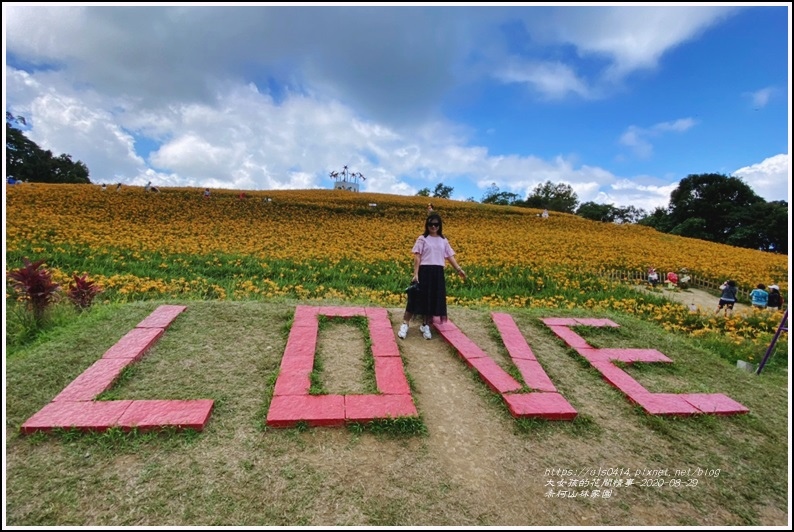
(346, 180)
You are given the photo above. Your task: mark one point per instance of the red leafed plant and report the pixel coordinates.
(35, 284)
(82, 291)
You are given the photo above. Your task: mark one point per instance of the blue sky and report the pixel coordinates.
(619, 102)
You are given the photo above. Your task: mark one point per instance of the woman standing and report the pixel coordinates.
(429, 300)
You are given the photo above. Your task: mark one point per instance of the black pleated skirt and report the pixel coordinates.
(431, 298)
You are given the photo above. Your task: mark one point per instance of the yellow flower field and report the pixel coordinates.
(329, 244)
(335, 225)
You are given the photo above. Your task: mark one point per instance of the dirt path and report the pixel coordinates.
(692, 298)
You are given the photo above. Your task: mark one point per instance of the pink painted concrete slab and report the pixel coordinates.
(135, 343)
(316, 410)
(620, 379)
(97, 378)
(569, 337)
(543, 405)
(343, 312)
(494, 376)
(534, 375)
(297, 363)
(383, 341)
(559, 321)
(630, 355)
(442, 326)
(390, 376)
(465, 347)
(502, 320)
(514, 341)
(146, 415)
(293, 382)
(665, 404)
(84, 415)
(377, 313)
(162, 317)
(596, 322)
(302, 342)
(366, 408)
(381, 334)
(714, 403)
(305, 316)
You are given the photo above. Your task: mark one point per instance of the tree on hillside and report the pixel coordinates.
(26, 161)
(724, 209)
(658, 219)
(596, 212)
(762, 225)
(558, 197)
(442, 191)
(716, 198)
(424, 192)
(494, 196)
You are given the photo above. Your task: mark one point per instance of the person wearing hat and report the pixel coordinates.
(774, 300)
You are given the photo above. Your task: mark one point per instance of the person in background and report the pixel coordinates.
(545, 213)
(774, 300)
(759, 296)
(429, 208)
(118, 187)
(653, 277)
(206, 193)
(727, 297)
(683, 280)
(430, 251)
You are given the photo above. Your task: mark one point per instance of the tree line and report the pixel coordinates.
(713, 207)
(26, 161)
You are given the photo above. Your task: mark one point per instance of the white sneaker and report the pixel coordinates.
(426, 331)
(403, 330)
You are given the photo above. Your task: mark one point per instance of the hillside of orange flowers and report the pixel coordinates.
(330, 245)
(334, 225)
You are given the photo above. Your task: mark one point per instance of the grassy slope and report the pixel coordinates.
(238, 473)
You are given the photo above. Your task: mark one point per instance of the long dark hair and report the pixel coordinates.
(437, 218)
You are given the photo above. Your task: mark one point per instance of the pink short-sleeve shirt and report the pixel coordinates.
(433, 250)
